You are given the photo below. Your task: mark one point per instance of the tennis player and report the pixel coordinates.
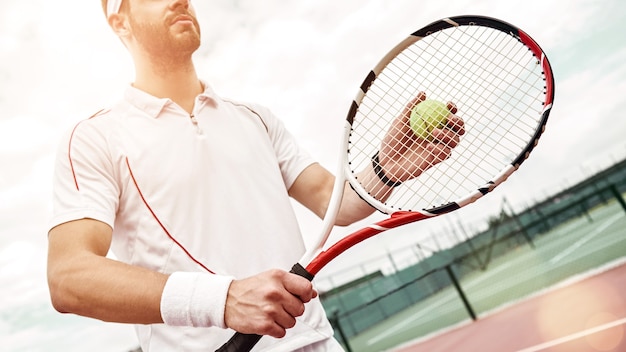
(191, 193)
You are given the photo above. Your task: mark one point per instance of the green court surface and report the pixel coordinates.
(572, 250)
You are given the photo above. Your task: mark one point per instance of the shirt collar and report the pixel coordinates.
(153, 106)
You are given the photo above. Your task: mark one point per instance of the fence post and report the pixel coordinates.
(619, 197)
(454, 280)
(334, 319)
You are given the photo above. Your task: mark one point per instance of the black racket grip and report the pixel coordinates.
(245, 342)
(300, 270)
(240, 343)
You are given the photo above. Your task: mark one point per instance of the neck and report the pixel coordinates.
(176, 80)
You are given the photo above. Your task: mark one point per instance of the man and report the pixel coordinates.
(191, 192)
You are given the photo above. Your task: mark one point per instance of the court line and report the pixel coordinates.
(397, 328)
(574, 336)
(567, 251)
(486, 276)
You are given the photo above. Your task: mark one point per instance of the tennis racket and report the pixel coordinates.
(502, 85)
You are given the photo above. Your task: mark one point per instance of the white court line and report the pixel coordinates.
(574, 336)
(400, 326)
(585, 239)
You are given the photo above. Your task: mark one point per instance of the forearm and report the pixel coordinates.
(98, 287)
(314, 188)
(83, 281)
(354, 208)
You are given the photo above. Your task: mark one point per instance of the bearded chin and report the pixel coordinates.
(162, 45)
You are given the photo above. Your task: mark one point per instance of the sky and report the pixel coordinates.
(59, 63)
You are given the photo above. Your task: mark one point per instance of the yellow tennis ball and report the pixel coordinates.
(426, 116)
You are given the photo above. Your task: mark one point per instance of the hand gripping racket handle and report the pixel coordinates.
(245, 342)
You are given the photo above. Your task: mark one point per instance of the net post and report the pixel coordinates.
(455, 281)
(619, 197)
(334, 319)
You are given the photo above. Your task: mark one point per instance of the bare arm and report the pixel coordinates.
(313, 189)
(84, 282)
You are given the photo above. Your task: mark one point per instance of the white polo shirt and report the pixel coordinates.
(184, 192)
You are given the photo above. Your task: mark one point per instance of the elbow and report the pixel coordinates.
(62, 298)
(57, 297)
(343, 222)
(355, 215)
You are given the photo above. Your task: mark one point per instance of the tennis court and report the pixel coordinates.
(529, 299)
(588, 315)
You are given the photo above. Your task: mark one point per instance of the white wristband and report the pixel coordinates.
(195, 299)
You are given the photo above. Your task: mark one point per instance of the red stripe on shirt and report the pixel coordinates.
(69, 149)
(132, 176)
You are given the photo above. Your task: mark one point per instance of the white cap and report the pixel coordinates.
(113, 6)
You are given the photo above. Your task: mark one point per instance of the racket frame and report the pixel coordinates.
(399, 218)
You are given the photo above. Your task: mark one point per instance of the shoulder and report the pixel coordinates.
(98, 119)
(262, 112)
(98, 115)
(89, 128)
(254, 108)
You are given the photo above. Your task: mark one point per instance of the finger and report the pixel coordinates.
(277, 319)
(406, 113)
(299, 286)
(439, 152)
(272, 321)
(446, 136)
(401, 125)
(452, 107)
(293, 307)
(400, 137)
(274, 329)
(400, 134)
(285, 321)
(456, 124)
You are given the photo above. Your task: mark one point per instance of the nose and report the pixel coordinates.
(176, 3)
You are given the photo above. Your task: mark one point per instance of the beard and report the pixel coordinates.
(163, 42)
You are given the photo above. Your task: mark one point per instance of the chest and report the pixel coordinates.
(177, 156)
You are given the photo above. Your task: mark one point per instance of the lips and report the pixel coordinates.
(183, 18)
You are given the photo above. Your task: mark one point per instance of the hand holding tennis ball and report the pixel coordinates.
(426, 116)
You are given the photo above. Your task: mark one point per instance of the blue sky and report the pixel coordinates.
(59, 63)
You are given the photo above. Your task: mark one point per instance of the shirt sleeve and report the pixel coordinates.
(292, 158)
(84, 183)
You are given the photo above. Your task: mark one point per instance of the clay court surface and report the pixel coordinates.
(586, 316)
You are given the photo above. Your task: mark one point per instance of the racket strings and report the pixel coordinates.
(497, 85)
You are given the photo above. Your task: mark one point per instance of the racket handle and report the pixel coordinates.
(301, 271)
(240, 342)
